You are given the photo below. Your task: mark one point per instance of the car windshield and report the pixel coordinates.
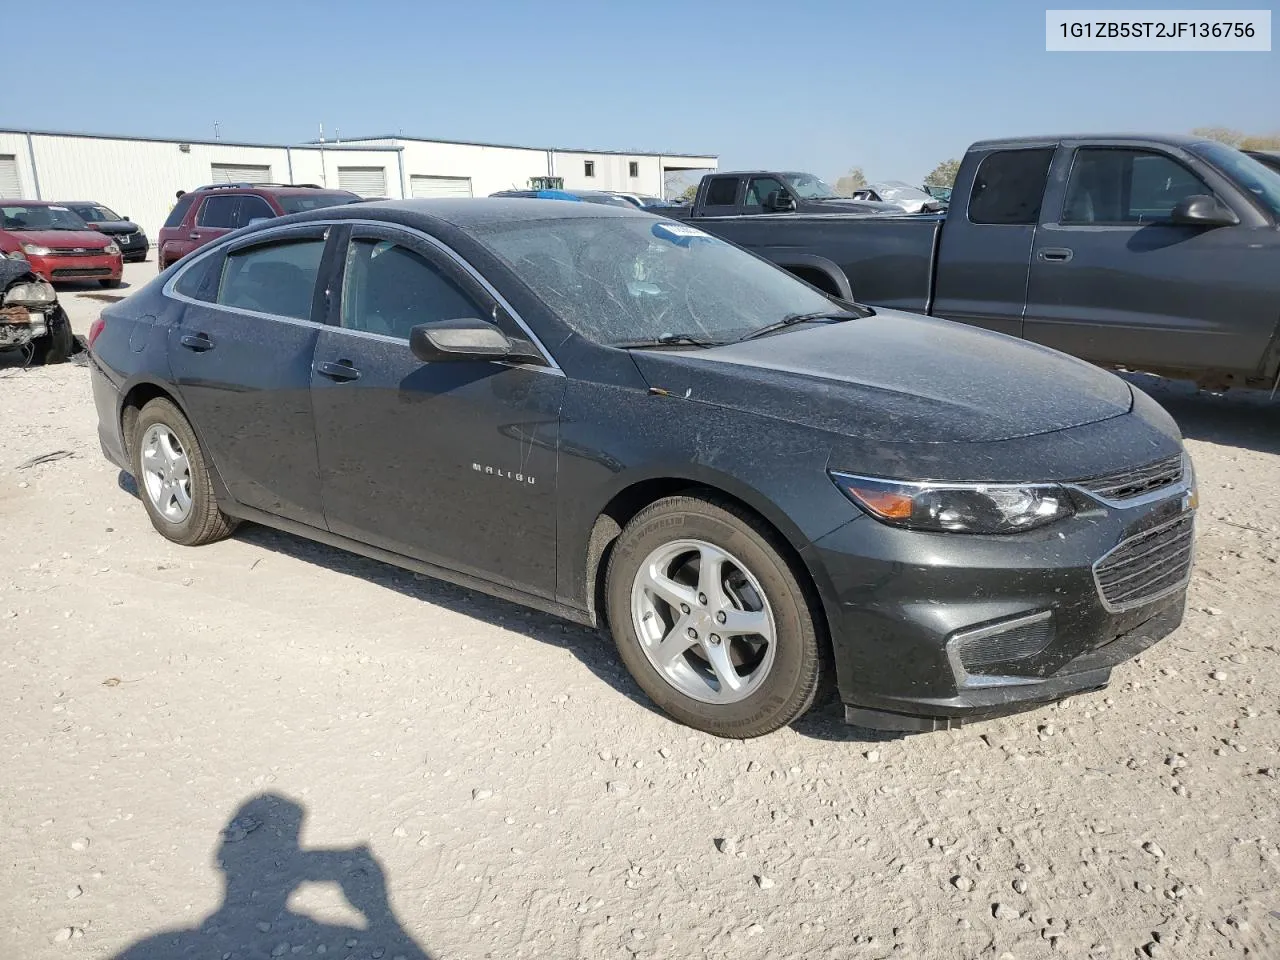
(808, 187)
(1257, 178)
(94, 213)
(298, 202)
(620, 280)
(42, 217)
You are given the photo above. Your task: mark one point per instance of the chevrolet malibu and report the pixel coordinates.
(621, 420)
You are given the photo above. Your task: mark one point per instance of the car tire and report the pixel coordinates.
(110, 284)
(177, 491)
(755, 580)
(58, 344)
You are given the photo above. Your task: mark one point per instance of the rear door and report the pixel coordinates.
(452, 463)
(720, 198)
(218, 215)
(1113, 280)
(241, 357)
(986, 245)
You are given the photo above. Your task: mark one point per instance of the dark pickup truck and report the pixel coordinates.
(1150, 253)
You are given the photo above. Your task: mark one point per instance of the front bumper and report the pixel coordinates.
(56, 269)
(931, 629)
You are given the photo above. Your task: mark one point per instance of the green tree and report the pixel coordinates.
(944, 174)
(1241, 141)
(851, 181)
(1225, 135)
(688, 193)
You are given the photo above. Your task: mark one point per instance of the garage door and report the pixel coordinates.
(240, 173)
(440, 186)
(365, 181)
(10, 185)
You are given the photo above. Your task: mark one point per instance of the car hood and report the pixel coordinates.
(61, 239)
(112, 227)
(895, 377)
(844, 205)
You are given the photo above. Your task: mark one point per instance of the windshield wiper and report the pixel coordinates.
(667, 340)
(793, 318)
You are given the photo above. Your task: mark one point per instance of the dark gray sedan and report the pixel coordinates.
(622, 420)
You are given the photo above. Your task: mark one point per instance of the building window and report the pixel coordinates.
(633, 168)
(589, 167)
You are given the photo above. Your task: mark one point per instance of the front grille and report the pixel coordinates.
(77, 252)
(1136, 481)
(982, 650)
(72, 273)
(1147, 566)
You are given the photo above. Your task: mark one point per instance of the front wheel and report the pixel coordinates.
(711, 620)
(173, 477)
(56, 345)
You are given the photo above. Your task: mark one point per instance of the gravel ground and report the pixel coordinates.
(271, 748)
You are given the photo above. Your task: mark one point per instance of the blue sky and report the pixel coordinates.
(806, 84)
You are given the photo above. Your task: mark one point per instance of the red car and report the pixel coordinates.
(210, 212)
(57, 243)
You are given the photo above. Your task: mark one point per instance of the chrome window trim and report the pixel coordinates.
(266, 233)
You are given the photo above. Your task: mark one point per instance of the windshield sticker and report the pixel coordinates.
(680, 234)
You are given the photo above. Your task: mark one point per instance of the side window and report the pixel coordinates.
(1009, 186)
(253, 208)
(200, 280)
(722, 192)
(1126, 186)
(179, 211)
(277, 278)
(390, 289)
(759, 188)
(219, 211)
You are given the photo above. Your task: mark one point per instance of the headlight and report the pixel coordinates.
(36, 250)
(111, 249)
(38, 292)
(958, 507)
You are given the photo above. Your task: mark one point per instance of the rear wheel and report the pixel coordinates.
(711, 620)
(173, 477)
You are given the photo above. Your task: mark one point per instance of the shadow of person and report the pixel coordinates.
(262, 865)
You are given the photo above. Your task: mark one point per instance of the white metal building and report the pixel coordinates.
(137, 177)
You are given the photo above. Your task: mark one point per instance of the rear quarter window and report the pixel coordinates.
(179, 211)
(1009, 186)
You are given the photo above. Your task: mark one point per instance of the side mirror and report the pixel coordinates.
(468, 338)
(1202, 211)
(780, 202)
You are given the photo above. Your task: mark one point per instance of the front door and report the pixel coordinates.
(452, 463)
(241, 357)
(1112, 279)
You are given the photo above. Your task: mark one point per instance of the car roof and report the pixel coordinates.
(464, 212)
(274, 188)
(1173, 139)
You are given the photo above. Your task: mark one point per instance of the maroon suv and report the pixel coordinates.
(210, 212)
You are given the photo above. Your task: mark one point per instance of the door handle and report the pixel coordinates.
(341, 371)
(193, 236)
(1056, 254)
(199, 342)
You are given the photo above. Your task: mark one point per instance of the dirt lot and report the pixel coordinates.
(482, 781)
